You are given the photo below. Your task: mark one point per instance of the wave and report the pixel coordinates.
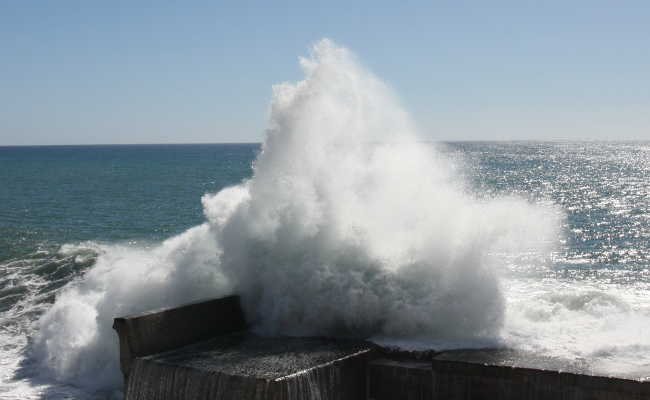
(349, 226)
(602, 324)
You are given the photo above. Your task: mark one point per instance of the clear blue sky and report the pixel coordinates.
(74, 72)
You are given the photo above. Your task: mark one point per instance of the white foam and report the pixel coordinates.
(75, 342)
(349, 226)
(602, 323)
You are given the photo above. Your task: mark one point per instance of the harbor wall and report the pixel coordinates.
(459, 380)
(161, 330)
(374, 375)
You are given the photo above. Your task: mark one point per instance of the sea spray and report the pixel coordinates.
(349, 226)
(602, 324)
(75, 341)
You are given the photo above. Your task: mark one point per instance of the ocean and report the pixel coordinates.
(60, 204)
(64, 209)
(344, 222)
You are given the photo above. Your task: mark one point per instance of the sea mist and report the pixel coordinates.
(351, 225)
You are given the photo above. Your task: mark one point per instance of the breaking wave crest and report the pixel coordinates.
(350, 226)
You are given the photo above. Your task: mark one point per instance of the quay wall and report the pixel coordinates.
(452, 375)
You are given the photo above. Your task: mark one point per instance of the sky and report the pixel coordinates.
(91, 72)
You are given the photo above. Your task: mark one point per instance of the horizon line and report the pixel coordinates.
(260, 142)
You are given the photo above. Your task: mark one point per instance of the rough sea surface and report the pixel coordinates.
(59, 206)
(588, 299)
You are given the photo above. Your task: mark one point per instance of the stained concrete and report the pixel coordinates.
(514, 375)
(246, 354)
(515, 359)
(202, 351)
(399, 379)
(492, 374)
(246, 366)
(166, 329)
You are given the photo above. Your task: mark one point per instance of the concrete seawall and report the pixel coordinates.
(203, 351)
(161, 330)
(495, 374)
(508, 374)
(248, 367)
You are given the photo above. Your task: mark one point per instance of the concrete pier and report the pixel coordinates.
(203, 351)
(512, 375)
(399, 379)
(245, 366)
(161, 330)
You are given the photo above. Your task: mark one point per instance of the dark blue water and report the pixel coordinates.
(52, 195)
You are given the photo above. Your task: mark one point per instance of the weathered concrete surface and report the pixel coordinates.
(508, 374)
(162, 330)
(245, 366)
(492, 374)
(399, 379)
(160, 356)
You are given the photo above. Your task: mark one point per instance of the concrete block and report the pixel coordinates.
(513, 375)
(244, 366)
(166, 329)
(399, 380)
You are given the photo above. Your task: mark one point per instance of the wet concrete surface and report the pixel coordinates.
(399, 379)
(231, 363)
(171, 328)
(513, 375)
(515, 358)
(246, 354)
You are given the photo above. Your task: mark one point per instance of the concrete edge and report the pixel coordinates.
(161, 330)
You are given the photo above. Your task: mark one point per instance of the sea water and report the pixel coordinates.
(344, 222)
(62, 206)
(591, 300)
